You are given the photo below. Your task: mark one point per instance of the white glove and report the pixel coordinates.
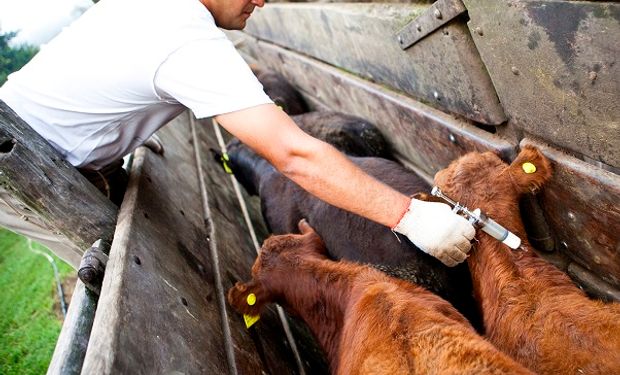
(437, 231)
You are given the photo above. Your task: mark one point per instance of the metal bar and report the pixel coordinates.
(71, 347)
(437, 15)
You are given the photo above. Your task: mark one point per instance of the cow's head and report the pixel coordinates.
(483, 180)
(277, 262)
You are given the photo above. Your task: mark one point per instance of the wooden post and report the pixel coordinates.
(34, 172)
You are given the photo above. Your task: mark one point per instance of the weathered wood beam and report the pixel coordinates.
(156, 309)
(556, 68)
(160, 309)
(592, 284)
(236, 256)
(423, 137)
(33, 171)
(444, 69)
(581, 205)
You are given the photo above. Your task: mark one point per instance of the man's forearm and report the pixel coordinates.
(329, 175)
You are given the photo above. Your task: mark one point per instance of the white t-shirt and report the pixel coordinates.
(123, 70)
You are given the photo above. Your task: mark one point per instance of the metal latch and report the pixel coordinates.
(437, 15)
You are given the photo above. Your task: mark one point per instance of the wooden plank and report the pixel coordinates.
(556, 70)
(421, 136)
(157, 311)
(232, 239)
(593, 285)
(444, 69)
(581, 206)
(33, 171)
(71, 346)
(160, 309)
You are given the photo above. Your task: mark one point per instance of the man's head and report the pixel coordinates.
(232, 14)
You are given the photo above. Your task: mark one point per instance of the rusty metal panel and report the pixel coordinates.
(581, 206)
(444, 69)
(556, 70)
(422, 137)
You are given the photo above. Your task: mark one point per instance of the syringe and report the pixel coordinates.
(479, 220)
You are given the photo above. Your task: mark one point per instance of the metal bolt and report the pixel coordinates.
(400, 39)
(479, 31)
(514, 70)
(436, 95)
(452, 138)
(571, 216)
(437, 13)
(87, 274)
(418, 27)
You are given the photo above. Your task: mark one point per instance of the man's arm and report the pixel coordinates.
(314, 165)
(330, 176)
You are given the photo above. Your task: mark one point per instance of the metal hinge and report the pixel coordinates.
(437, 15)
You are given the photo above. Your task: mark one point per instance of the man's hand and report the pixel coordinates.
(437, 231)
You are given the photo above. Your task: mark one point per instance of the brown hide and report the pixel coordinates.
(531, 310)
(367, 322)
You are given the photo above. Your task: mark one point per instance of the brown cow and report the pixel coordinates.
(367, 322)
(531, 310)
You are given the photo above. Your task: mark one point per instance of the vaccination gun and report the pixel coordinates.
(479, 220)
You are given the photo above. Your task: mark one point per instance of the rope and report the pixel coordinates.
(248, 222)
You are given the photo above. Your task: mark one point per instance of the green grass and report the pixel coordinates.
(29, 326)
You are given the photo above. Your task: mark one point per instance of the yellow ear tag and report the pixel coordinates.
(282, 108)
(250, 320)
(528, 167)
(225, 159)
(251, 299)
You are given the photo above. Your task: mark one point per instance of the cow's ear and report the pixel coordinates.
(248, 298)
(530, 170)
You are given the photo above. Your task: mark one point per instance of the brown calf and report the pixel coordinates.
(531, 310)
(367, 322)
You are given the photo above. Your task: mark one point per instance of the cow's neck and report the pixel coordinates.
(496, 270)
(319, 292)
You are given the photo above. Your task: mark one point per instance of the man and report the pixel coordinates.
(127, 67)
